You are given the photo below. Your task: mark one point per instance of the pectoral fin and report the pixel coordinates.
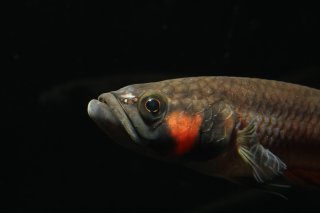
(265, 165)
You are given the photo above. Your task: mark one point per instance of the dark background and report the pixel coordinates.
(63, 53)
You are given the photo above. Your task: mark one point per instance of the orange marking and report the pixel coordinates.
(184, 129)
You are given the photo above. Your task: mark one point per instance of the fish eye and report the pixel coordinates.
(152, 105)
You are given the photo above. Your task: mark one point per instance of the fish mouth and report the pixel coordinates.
(109, 115)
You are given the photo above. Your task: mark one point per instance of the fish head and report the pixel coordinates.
(167, 118)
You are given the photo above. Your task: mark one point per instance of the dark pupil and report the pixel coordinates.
(153, 105)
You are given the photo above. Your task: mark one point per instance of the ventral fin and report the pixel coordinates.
(265, 165)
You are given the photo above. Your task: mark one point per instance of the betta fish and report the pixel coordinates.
(231, 127)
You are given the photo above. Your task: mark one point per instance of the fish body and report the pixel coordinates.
(225, 126)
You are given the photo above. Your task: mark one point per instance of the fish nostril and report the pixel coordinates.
(101, 99)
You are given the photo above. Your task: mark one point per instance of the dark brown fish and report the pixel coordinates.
(226, 126)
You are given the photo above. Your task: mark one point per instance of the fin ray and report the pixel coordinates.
(265, 165)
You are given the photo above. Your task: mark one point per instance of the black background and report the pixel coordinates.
(63, 53)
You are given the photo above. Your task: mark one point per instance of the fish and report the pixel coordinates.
(231, 127)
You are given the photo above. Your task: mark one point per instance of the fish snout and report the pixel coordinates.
(110, 116)
(102, 115)
(104, 97)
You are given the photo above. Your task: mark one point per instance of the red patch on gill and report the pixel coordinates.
(184, 129)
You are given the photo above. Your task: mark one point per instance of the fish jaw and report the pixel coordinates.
(108, 114)
(102, 115)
